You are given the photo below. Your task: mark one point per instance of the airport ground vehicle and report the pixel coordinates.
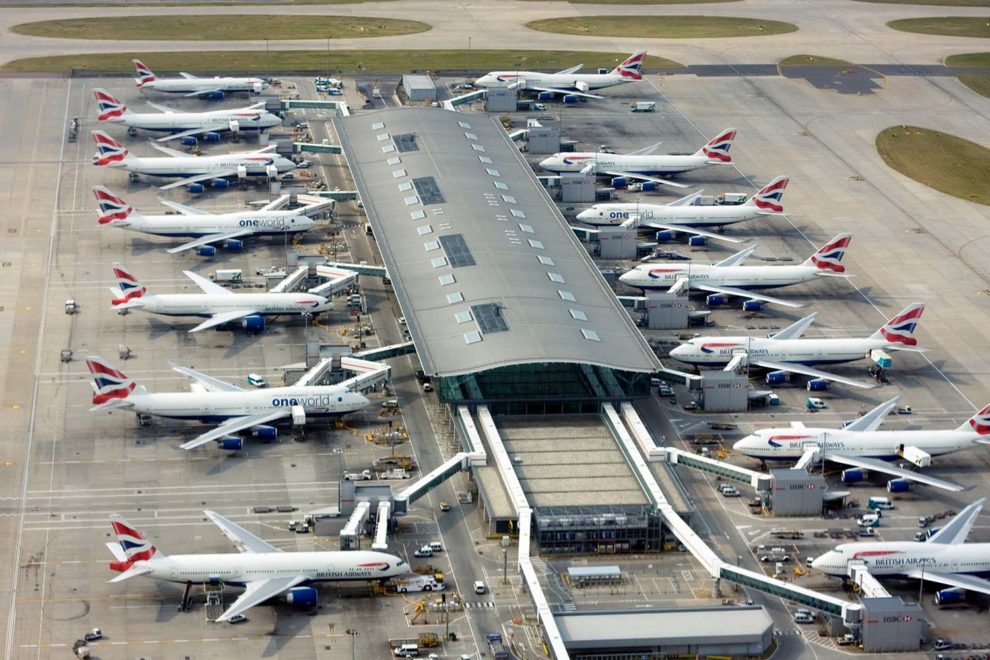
(479, 587)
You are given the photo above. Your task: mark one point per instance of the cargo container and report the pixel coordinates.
(643, 106)
(228, 275)
(881, 358)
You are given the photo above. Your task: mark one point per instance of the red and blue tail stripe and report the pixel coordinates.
(145, 75)
(900, 329)
(980, 422)
(631, 68)
(108, 383)
(110, 107)
(133, 543)
(829, 256)
(769, 197)
(112, 208)
(108, 149)
(718, 148)
(128, 284)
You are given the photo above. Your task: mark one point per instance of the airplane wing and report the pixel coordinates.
(886, 468)
(687, 200)
(234, 425)
(643, 177)
(240, 537)
(682, 228)
(573, 69)
(112, 404)
(191, 132)
(737, 258)
(564, 91)
(209, 382)
(161, 108)
(182, 208)
(956, 530)
(223, 317)
(131, 572)
(210, 238)
(814, 373)
(743, 293)
(258, 592)
(175, 153)
(871, 421)
(198, 178)
(644, 151)
(188, 76)
(968, 582)
(796, 329)
(208, 286)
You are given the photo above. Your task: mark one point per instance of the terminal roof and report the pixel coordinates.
(485, 268)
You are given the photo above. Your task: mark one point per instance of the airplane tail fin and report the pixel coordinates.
(113, 209)
(828, 257)
(111, 108)
(978, 423)
(133, 546)
(899, 331)
(768, 198)
(108, 150)
(717, 149)
(128, 287)
(108, 383)
(145, 75)
(632, 67)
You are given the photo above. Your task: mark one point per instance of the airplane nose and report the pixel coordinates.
(586, 214)
(679, 351)
(819, 562)
(627, 277)
(546, 163)
(745, 443)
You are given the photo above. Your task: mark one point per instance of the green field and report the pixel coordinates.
(812, 60)
(944, 162)
(938, 3)
(978, 82)
(968, 59)
(339, 61)
(232, 27)
(946, 26)
(662, 27)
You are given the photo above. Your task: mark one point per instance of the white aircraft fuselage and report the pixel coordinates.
(574, 81)
(241, 119)
(191, 85)
(665, 275)
(688, 215)
(648, 165)
(719, 351)
(208, 304)
(790, 443)
(259, 222)
(240, 568)
(185, 166)
(895, 557)
(206, 406)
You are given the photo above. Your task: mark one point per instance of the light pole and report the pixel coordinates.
(353, 635)
(505, 559)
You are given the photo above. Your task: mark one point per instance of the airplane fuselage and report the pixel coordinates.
(259, 222)
(240, 568)
(896, 557)
(220, 120)
(791, 443)
(569, 81)
(664, 275)
(719, 351)
(183, 166)
(690, 216)
(208, 304)
(206, 406)
(646, 165)
(205, 85)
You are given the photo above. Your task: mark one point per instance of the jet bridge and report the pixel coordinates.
(292, 281)
(351, 534)
(760, 481)
(368, 375)
(456, 463)
(868, 585)
(311, 104)
(381, 526)
(470, 97)
(360, 269)
(338, 280)
(387, 352)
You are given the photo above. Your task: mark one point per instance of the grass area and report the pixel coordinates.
(813, 60)
(229, 27)
(944, 162)
(340, 61)
(979, 83)
(662, 27)
(946, 26)
(934, 3)
(968, 59)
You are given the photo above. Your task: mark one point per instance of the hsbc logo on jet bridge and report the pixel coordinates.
(306, 402)
(665, 305)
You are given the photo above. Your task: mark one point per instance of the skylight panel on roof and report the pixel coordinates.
(566, 295)
(438, 262)
(396, 174)
(556, 277)
(485, 159)
(418, 214)
(463, 317)
(429, 191)
(546, 261)
(509, 199)
(455, 297)
(471, 136)
(477, 147)
(500, 185)
(394, 160)
(492, 172)
(464, 124)
(412, 199)
(472, 337)
(578, 315)
(535, 243)
(429, 246)
(526, 228)
(424, 230)
(517, 213)
(489, 318)
(378, 125)
(388, 148)
(590, 335)
(446, 279)
(405, 185)
(457, 251)
(406, 142)
(382, 137)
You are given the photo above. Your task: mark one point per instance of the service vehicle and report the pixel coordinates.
(256, 380)
(363, 475)
(881, 503)
(479, 587)
(423, 552)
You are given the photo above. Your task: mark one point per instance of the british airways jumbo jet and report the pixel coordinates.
(568, 81)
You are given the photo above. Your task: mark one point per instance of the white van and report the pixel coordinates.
(869, 520)
(256, 380)
(479, 587)
(436, 546)
(881, 503)
(407, 651)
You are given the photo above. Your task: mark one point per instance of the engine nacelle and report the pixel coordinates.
(544, 96)
(195, 188)
(817, 385)
(650, 186)
(211, 137)
(950, 596)
(220, 184)
(570, 99)
(665, 236)
(898, 486)
(231, 443)
(853, 475)
(716, 299)
(233, 244)
(190, 141)
(302, 597)
(752, 305)
(620, 182)
(234, 126)
(206, 251)
(215, 96)
(265, 432)
(777, 377)
(697, 241)
(253, 323)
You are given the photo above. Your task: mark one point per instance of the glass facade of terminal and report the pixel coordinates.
(599, 529)
(544, 388)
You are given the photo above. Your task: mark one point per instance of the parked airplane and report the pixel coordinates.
(190, 85)
(568, 81)
(944, 559)
(862, 447)
(191, 169)
(220, 305)
(264, 570)
(683, 215)
(787, 352)
(642, 164)
(182, 125)
(210, 399)
(728, 278)
(226, 228)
